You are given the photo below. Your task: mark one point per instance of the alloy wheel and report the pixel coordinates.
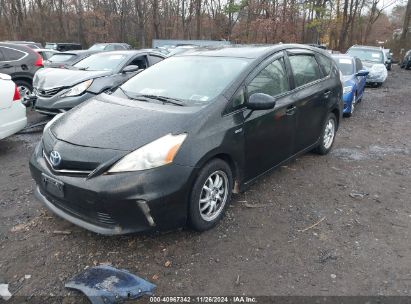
(353, 104)
(329, 133)
(213, 195)
(23, 91)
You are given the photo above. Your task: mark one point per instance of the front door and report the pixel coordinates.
(269, 134)
(311, 93)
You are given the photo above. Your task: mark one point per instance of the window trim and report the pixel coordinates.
(10, 48)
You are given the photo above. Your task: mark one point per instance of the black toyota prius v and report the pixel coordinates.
(170, 145)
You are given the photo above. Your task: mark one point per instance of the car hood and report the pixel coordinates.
(368, 65)
(110, 122)
(50, 78)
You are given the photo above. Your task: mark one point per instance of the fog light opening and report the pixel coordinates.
(146, 211)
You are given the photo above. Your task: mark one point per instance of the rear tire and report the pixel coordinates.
(210, 195)
(24, 87)
(327, 135)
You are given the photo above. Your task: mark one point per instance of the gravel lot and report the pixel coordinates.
(359, 195)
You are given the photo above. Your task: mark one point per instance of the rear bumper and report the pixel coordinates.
(12, 119)
(123, 203)
(57, 104)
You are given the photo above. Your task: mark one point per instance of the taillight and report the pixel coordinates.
(16, 96)
(39, 61)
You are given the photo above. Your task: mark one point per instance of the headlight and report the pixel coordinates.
(47, 126)
(79, 88)
(155, 154)
(347, 89)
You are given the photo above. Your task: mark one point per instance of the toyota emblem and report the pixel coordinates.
(55, 158)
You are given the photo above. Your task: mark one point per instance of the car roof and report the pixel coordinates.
(46, 50)
(108, 43)
(21, 47)
(246, 51)
(342, 56)
(126, 52)
(375, 48)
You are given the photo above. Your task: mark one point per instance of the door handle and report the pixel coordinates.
(291, 110)
(6, 66)
(327, 94)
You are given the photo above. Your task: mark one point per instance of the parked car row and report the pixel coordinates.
(169, 145)
(145, 141)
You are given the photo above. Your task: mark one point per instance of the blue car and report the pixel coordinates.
(354, 78)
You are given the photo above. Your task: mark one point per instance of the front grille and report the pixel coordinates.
(48, 93)
(81, 210)
(67, 171)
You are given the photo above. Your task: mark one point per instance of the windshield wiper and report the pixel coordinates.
(165, 99)
(132, 97)
(83, 68)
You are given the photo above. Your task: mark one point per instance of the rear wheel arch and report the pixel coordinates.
(25, 79)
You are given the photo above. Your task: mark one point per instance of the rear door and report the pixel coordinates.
(310, 92)
(269, 134)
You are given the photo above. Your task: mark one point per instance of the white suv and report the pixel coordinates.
(12, 112)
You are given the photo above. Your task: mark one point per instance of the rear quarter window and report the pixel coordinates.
(11, 54)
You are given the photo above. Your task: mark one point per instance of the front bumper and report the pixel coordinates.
(58, 104)
(376, 78)
(348, 98)
(119, 203)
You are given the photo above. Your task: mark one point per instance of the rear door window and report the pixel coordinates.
(305, 69)
(325, 64)
(11, 54)
(272, 80)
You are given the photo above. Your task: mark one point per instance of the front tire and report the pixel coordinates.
(328, 135)
(210, 195)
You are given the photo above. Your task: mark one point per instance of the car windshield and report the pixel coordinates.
(194, 79)
(345, 65)
(98, 47)
(367, 55)
(101, 62)
(61, 57)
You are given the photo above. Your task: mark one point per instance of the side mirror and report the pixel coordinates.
(362, 73)
(260, 101)
(131, 68)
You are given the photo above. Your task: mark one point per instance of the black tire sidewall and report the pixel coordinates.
(195, 220)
